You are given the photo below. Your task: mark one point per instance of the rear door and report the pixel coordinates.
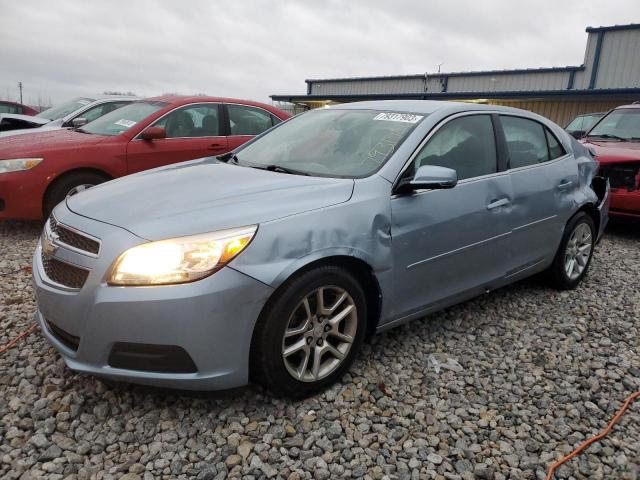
(245, 122)
(452, 242)
(544, 177)
(193, 131)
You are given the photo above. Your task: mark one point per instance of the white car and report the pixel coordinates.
(71, 114)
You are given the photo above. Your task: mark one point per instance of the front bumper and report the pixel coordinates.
(21, 195)
(212, 320)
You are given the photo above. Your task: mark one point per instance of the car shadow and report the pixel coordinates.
(624, 228)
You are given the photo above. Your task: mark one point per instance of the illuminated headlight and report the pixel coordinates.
(179, 260)
(17, 164)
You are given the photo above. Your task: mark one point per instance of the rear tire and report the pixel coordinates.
(301, 344)
(574, 254)
(69, 185)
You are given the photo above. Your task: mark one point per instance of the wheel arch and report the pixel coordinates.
(359, 268)
(66, 174)
(591, 210)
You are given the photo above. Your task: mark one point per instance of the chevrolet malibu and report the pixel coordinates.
(272, 263)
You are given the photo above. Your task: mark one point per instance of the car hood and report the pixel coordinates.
(203, 196)
(14, 121)
(615, 152)
(55, 125)
(42, 143)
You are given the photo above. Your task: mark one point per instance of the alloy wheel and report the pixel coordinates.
(319, 333)
(578, 251)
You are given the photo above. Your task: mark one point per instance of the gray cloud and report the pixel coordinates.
(251, 49)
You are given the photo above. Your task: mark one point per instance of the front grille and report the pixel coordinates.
(68, 340)
(72, 238)
(64, 273)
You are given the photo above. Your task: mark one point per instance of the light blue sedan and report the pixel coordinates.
(273, 263)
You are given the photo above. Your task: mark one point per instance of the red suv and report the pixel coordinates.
(616, 141)
(38, 173)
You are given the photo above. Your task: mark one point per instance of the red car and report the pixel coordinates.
(17, 108)
(39, 172)
(616, 141)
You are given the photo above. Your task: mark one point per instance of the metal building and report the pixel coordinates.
(609, 76)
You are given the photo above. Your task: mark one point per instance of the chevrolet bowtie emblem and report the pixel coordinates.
(47, 242)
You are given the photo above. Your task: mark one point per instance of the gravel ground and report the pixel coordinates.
(498, 387)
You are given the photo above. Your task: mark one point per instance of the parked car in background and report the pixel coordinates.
(616, 141)
(341, 221)
(71, 114)
(16, 108)
(36, 175)
(582, 123)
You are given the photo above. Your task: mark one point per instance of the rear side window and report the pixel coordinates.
(9, 108)
(526, 141)
(465, 144)
(245, 120)
(555, 149)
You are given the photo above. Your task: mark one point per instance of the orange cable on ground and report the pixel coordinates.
(595, 438)
(12, 343)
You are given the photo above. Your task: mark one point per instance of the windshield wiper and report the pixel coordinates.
(278, 168)
(608, 135)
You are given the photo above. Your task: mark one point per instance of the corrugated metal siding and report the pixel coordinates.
(562, 111)
(582, 78)
(619, 67)
(619, 60)
(509, 82)
(356, 87)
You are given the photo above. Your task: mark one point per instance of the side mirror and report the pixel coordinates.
(429, 177)
(154, 133)
(79, 122)
(578, 134)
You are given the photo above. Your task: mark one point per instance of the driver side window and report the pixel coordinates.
(465, 144)
(192, 121)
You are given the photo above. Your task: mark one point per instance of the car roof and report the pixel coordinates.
(632, 105)
(426, 106)
(102, 98)
(184, 99)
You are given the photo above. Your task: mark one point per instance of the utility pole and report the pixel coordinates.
(20, 87)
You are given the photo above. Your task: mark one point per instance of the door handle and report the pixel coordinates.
(215, 146)
(564, 184)
(502, 202)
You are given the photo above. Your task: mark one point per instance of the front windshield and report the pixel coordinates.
(122, 119)
(334, 143)
(64, 109)
(622, 124)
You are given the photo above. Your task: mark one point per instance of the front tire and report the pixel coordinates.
(309, 333)
(68, 186)
(573, 258)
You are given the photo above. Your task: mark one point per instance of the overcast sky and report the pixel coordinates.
(251, 49)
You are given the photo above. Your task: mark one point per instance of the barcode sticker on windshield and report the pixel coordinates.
(125, 123)
(399, 117)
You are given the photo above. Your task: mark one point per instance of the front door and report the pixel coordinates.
(193, 131)
(452, 242)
